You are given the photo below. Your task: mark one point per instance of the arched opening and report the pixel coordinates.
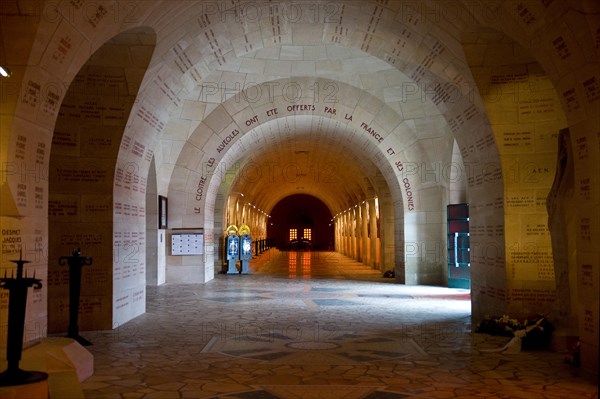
(312, 157)
(302, 218)
(526, 115)
(87, 139)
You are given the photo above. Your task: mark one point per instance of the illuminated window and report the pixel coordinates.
(308, 234)
(293, 234)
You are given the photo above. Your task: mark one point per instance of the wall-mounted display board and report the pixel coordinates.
(187, 244)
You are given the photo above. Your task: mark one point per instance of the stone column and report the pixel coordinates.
(373, 224)
(346, 234)
(366, 255)
(353, 250)
(386, 212)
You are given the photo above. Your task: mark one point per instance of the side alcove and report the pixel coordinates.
(85, 145)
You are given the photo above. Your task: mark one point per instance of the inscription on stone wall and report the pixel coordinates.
(505, 78)
(340, 32)
(562, 50)
(525, 13)
(40, 153)
(400, 45)
(533, 296)
(63, 208)
(592, 89)
(571, 101)
(518, 139)
(587, 276)
(129, 179)
(581, 149)
(150, 118)
(89, 241)
(585, 189)
(589, 326)
(39, 197)
(126, 142)
(81, 174)
(3, 305)
(166, 89)
(97, 15)
(541, 261)
(63, 47)
(20, 147)
(494, 292)
(459, 120)
(536, 107)
(374, 20)
(436, 50)
(182, 61)
(215, 48)
(51, 102)
(58, 276)
(128, 254)
(21, 195)
(126, 209)
(107, 82)
(11, 241)
(275, 23)
(31, 94)
(585, 230)
(520, 201)
(64, 139)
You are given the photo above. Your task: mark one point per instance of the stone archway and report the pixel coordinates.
(85, 144)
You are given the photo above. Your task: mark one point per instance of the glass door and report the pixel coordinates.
(459, 251)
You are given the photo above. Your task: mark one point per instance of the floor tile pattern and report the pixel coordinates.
(316, 325)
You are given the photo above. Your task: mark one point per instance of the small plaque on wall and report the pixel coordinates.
(163, 212)
(187, 244)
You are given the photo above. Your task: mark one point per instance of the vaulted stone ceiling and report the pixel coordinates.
(372, 83)
(420, 79)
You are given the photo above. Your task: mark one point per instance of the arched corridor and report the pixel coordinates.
(314, 324)
(143, 131)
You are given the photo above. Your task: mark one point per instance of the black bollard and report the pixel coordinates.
(17, 302)
(75, 262)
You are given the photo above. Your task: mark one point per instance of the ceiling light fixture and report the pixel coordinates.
(4, 71)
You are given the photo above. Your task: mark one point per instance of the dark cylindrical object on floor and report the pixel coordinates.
(17, 303)
(75, 262)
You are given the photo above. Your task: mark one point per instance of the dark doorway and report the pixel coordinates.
(301, 222)
(459, 248)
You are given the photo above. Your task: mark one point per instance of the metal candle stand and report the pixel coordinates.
(17, 288)
(75, 262)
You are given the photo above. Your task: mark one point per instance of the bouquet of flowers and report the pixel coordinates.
(535, 332)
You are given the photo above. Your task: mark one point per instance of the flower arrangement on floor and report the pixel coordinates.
(535, 333)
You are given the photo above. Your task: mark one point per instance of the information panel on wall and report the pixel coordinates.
(187, 244)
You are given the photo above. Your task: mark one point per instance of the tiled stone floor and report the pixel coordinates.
(315, 325)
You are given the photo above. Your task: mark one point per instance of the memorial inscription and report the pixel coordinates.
(592, 89)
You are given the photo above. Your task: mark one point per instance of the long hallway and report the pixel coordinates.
(315, 325)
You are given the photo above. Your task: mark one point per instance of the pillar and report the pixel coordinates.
(373, 238)
(364, 234)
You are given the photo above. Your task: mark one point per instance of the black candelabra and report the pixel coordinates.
(75, 262)
(17, 302)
